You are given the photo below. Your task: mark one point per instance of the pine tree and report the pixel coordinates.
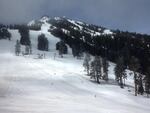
(135, 66)
(95, 69)
(140, 84)
(61, 49)
(17, 48)
(86, 63)
(147, 82)
(147, 87)
(105, 68)
(120, 71)
(92, 70)
(77, 50)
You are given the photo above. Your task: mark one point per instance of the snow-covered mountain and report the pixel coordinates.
(59, 85)
(77, 34)
(76, 25)
(99, 40)
(44, 19)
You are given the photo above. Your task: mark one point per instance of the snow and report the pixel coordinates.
(44, 19)
(57, 18)
(94, 33)
(78, 24)
(99, 29)
(65, 31)
(30, 85)
(73, 22)
(31, 23)
(107, 32)
(81, 23)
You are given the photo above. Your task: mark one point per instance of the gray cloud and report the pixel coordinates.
(132, 15)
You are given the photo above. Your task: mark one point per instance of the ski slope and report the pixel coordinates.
(31, 85)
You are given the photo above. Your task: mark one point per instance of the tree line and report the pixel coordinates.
(4, 33)
(97, 69)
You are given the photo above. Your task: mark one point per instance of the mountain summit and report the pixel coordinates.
(76, 25)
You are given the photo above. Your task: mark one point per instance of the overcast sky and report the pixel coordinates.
(131, 15)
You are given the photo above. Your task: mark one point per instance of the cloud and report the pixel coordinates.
(16, 11)
(132, 15)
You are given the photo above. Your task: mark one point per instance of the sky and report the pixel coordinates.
(131, 15)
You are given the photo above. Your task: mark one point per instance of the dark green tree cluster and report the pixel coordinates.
(77, 51)
(62, 48)
(105, 68)
(97, 68)
(141, 82)
(35, 27)
(147, 82)
(120, 72)
(43, 43)
(4, 33)
(24, 32)
(75, 44)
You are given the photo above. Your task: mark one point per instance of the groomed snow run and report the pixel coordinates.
(31, 85)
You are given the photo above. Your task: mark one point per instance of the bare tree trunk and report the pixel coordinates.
(135, 83)
(124, 82)
(121, 82)
(97, 79)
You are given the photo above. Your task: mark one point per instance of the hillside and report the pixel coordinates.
(32, 85)
(98, 40)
